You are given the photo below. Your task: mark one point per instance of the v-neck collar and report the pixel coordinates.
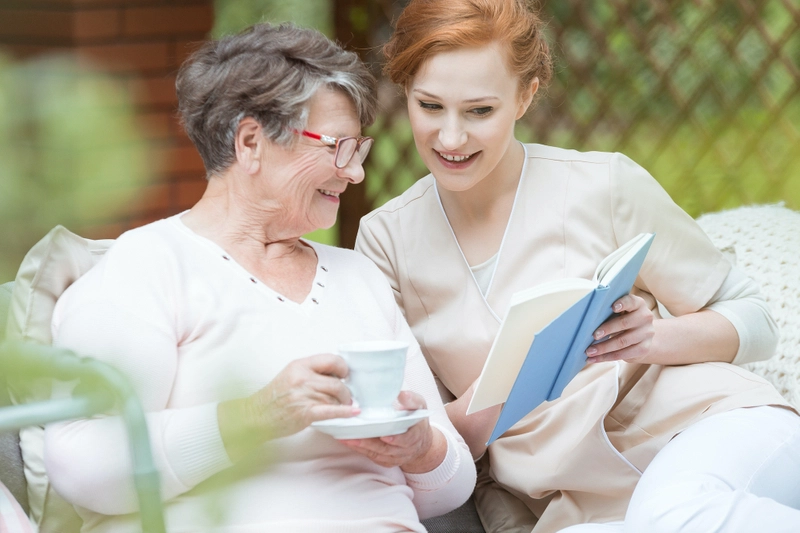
(312, 300)
(499, 253)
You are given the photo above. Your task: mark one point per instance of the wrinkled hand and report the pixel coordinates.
(631, 332)
(306, 390)
(420, 449)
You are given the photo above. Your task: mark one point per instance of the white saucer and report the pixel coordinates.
(360, 428)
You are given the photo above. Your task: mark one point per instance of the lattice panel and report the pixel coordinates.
(703, 93)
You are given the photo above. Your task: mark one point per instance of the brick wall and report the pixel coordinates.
(142, 42)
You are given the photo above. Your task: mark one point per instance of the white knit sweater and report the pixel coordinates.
(191, 328)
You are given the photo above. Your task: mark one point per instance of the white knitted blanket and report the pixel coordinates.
(765, 242)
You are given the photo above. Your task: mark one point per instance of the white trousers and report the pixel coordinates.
(735, 472)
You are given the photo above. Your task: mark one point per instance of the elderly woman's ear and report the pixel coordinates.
(250, 145)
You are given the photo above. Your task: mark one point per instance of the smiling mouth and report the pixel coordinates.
(326, 192)
(454, 158)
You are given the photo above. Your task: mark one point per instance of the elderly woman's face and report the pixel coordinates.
(309, 190)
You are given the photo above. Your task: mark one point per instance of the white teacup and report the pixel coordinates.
(376, 375)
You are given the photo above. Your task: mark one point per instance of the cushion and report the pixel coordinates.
(464, 520)
(766, 239)
(51, 266)
(11, 470)
(12, 518)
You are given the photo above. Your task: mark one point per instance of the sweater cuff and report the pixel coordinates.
(198, 452)
(442, 474)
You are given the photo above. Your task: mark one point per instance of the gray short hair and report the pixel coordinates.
(268, 73)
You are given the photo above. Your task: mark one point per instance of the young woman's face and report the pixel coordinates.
(463, 105)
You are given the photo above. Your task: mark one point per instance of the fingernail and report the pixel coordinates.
(591, 351)
(617, 307)
(599, 334)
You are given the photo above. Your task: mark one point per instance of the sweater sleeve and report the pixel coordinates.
(126, 312)
(88, 460)
(450, 484)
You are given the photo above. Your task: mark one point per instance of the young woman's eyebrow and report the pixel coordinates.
(467, 101)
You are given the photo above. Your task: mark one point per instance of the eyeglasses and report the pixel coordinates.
(346, 147)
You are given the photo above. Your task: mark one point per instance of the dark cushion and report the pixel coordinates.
(11, 473)
(462, 520)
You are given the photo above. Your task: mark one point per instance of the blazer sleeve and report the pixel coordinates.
(683, 268)
(375, 242)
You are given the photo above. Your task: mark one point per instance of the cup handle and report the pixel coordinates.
(350, 388)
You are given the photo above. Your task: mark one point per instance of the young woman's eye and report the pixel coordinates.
(480, 111)
(429, 106)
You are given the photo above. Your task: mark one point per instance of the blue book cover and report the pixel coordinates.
(542, 342)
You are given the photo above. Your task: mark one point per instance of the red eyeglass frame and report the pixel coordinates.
(333, 141)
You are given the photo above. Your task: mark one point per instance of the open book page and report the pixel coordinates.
(529, 312)
(616, 260)
(541, 343)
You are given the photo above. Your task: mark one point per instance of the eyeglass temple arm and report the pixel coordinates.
(324, 138)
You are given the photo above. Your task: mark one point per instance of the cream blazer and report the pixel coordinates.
(576, 459)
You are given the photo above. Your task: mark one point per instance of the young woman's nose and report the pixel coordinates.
(452, 134)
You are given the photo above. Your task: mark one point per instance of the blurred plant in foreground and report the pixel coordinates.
(70, 152)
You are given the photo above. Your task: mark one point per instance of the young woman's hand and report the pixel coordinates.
(420, 449)
(629, 333)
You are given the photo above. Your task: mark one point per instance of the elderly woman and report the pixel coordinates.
(226, 320)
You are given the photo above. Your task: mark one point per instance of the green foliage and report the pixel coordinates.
(325, 236)
(70, 152)
(703, 93)
(700, 92)
(232, 16)
(393, 164)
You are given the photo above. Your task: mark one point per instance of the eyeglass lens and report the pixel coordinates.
(347, 149)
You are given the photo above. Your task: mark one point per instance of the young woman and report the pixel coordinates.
(641, 440)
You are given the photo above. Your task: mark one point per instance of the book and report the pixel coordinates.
(542, 341)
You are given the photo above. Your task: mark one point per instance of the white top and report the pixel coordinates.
(191, 327)
(483, 273)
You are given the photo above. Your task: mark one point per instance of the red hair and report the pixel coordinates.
(428, 27)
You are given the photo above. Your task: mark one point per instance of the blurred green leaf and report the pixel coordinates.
(70, 152)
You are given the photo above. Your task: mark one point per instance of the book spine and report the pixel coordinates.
(575, 359)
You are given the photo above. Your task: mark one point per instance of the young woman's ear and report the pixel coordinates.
(526, 97)
(249, 145)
